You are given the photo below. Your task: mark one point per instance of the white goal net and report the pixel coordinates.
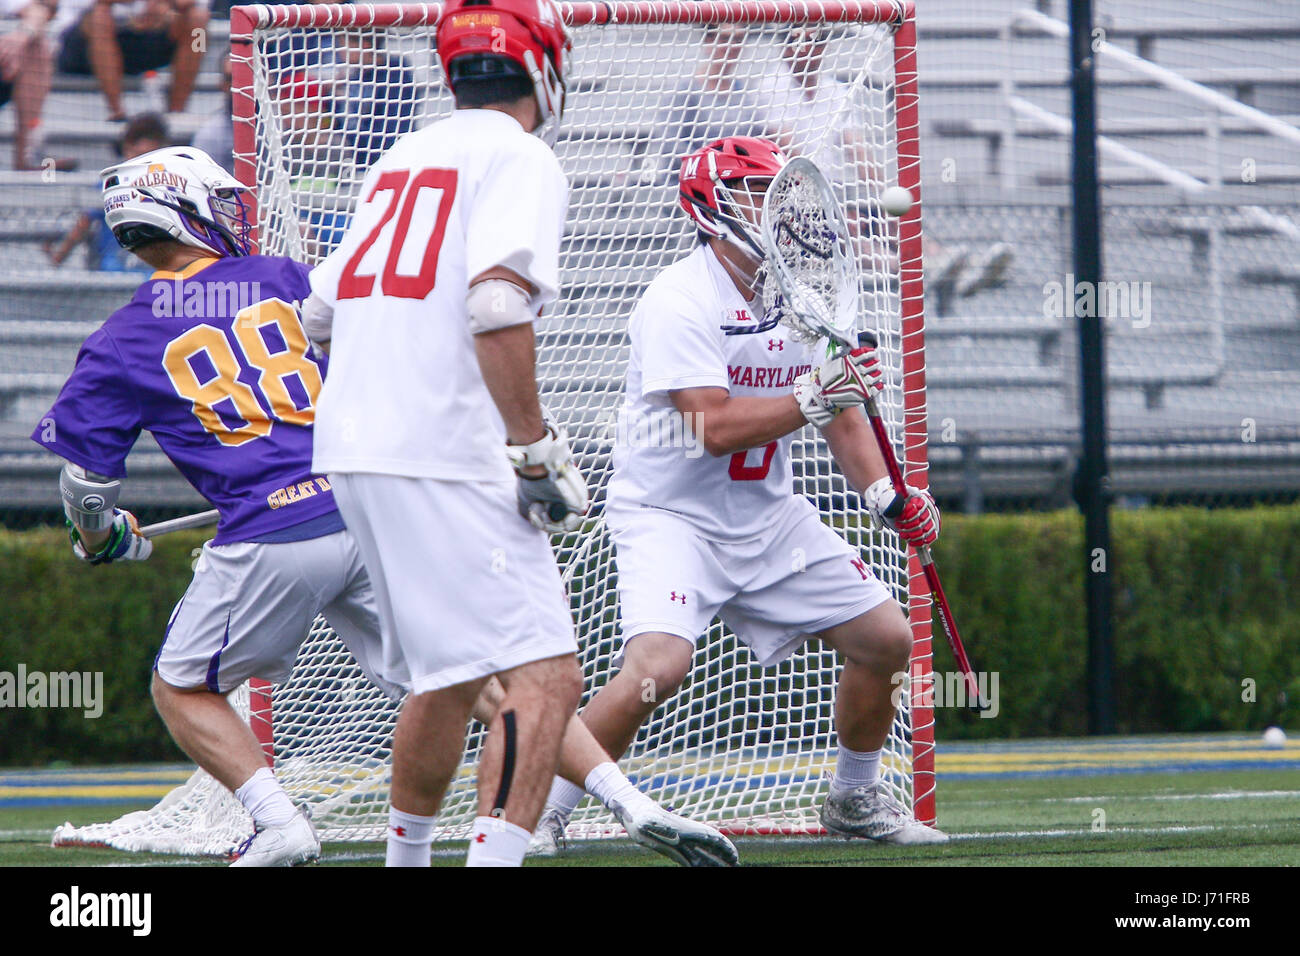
(321, 91)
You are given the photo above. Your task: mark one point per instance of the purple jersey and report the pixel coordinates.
(214, 362)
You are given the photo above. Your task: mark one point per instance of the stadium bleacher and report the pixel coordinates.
(1219, 346)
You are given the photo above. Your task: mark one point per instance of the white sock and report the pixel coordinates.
(565, 796)
(265, 800)
(496, 842)
(409, 837)
(854, 769)
(607, 784)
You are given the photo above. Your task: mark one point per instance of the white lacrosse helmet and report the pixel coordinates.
(177, 193)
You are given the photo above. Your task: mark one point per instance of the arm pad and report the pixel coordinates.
(88, 498)
(497, 304)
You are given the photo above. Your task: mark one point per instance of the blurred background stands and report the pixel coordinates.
(1198, 110)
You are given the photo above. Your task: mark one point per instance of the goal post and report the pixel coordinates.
(319, 91)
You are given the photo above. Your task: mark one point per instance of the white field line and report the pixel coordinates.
(18, 836)
(1226, 795)
(1112, 830)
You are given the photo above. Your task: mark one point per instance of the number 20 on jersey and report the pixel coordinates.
(416, 195)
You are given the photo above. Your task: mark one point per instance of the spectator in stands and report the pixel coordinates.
(26, 67)
(801, 102)
(143, 134)
(376, 97)
(801, 99)
(216, 137)
(712, 104)
(341, 102)
(117, 37)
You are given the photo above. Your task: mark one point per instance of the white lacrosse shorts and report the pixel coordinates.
(774, 591)
(464, 585)
(250, 606)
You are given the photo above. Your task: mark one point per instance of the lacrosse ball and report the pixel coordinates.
(1274, 738)
(896, 200)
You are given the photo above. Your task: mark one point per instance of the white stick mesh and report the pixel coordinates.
(740, 746)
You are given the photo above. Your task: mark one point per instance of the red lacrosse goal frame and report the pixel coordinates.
(245, 20)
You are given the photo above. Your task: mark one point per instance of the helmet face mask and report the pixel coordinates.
(723, 187)
(177, 194)
(527, 33)
(233, 218)
(740, 212)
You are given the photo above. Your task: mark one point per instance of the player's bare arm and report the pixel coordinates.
(734, 423)
(853, 446)
(507, 355)
(915, 517)
(726, 425)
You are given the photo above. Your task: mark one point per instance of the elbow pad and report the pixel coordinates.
(497, 304)
(88, 498)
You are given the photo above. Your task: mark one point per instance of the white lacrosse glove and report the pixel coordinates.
(125, 542)
(848, 379)
(557, 500)
(915, 517)
(317, 322)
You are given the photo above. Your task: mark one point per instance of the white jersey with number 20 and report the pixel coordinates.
(404, 394)
(678, 342)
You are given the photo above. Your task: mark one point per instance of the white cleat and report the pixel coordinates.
(872, 813)
(548, 839)
(290, 844)
(683, 841)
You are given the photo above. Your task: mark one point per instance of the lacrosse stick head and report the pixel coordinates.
(811, 280)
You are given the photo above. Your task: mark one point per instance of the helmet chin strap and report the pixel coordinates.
(744, 267)
(550, 98)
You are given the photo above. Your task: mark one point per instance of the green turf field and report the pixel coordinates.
(1229, 817)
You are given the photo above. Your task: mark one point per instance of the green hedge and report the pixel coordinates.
(1203, 601)
(59, 614)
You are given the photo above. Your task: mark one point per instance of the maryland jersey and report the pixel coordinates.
(678, 342)
(213, 361)
(405, 395)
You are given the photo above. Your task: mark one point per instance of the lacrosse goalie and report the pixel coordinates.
(711, 536)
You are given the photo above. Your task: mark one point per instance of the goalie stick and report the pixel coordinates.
(809, 254)
(948, 622)
(180, 524)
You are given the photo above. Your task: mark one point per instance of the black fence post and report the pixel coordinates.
(1091, 479)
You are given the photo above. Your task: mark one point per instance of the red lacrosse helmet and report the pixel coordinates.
(527, 33)
(713, 180)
